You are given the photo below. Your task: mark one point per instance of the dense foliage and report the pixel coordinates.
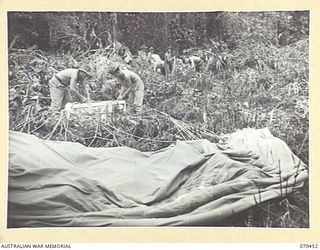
(75, 31)
(260, 79)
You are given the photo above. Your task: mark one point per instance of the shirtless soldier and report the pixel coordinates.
(195, 62)
(132, 87)
(64, 83)
(169, 63)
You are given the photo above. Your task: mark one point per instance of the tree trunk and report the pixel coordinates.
(194, 27)
(115, 26)
(166, 28)
(204, 23)
(178, 17)
(51, 43)
(82, 26)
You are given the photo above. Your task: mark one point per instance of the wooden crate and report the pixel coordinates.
(104, 108)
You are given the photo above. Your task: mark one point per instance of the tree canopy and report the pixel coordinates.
(81, 31)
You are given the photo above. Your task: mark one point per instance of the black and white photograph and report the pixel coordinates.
(158, 119)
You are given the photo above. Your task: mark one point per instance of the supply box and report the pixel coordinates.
(104, 108)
